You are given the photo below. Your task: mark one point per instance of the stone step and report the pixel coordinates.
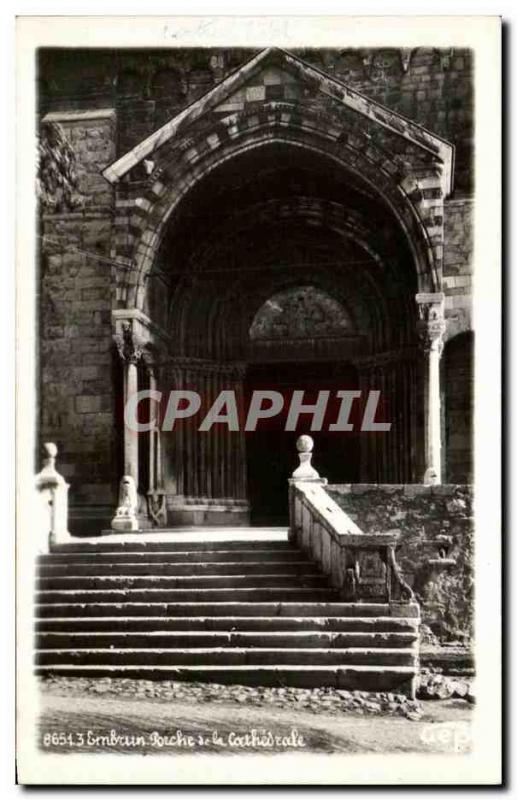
(177, 596)
(365, 678)
(222, 609)
(204, 639)
(285, 567)
(230, 656)
(189, 556)
(249, 582)
(448, 658)
(227, 624)
(100, 547)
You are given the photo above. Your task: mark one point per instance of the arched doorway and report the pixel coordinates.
(282, 222)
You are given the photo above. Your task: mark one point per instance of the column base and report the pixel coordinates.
(431, 477)
(123, 522)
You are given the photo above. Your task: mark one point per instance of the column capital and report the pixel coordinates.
(151, 362)
(129, 346)
(431, 321)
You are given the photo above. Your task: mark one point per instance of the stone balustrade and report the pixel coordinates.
(361, 565)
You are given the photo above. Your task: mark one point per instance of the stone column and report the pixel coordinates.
(240, 466)
(159, 470)
(156, 501)
(152, 436)
(366, 460)
(130, 350)
(431, 328)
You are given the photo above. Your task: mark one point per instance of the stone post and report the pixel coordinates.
(431, 328)
(304, 472)
(53, 491)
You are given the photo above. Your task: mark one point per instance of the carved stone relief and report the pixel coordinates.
(300, 313)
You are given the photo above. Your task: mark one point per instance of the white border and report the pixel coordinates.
(482, 34)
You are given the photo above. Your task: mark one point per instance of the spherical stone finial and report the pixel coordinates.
(49, 462)
(305, 444)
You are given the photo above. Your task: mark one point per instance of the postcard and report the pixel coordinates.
(259, 349)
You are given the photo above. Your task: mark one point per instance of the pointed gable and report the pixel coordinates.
(275, 76)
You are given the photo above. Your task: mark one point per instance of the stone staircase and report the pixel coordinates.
(248, 608)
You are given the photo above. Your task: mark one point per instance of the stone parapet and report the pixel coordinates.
(435, 529)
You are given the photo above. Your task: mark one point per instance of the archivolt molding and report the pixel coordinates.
(407, 166)
(330, 215)
(416, 203)
(346, 222)
(217, 322)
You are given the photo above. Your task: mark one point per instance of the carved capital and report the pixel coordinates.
(149, 357)
(431, 337)
(431, 323)
(129, 347)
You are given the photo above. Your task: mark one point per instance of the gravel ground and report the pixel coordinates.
(332, 701)
(136, 716)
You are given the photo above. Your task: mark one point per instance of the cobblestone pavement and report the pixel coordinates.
(128, 716)
(332, 701)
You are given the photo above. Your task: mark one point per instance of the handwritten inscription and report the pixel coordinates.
(252, 739)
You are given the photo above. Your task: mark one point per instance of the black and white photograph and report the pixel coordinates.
(255, 303)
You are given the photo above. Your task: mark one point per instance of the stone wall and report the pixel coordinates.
(457, 265)
(457, 382)
(76, 363)
(429, 85)
(436, 551)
